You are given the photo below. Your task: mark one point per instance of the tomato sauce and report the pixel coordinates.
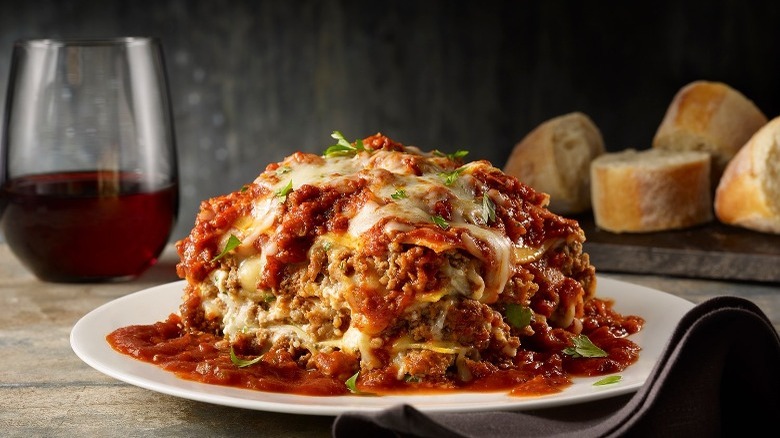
(206, 358)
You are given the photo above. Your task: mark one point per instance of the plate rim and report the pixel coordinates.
(85, 341)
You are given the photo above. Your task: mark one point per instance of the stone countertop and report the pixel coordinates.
(46, 390)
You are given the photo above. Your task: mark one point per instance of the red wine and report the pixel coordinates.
(86, 226)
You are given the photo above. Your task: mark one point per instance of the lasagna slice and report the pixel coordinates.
(381, 259)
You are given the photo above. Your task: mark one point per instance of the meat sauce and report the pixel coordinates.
(206, 358)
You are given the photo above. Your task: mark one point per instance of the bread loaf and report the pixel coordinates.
(748, 194)
(651, 190)
(711, 117)
(555, 159)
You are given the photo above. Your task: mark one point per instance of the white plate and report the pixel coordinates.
(661, 311)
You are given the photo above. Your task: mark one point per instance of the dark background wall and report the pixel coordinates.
(253, 81)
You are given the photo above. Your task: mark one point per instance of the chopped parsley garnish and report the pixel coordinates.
(343, 147)
(352, 385)
(607, 380)
(583, 347)
(518, 316)
(440, 221)
(242, 363)
(451, 177)
(488, 209)
(232, 243)
(399, 194)
(244, 189)
(284, 191)
(457, 155)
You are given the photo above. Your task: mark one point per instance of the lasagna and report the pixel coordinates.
(380, 261)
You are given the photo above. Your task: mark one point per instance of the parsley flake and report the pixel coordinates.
(457, 155)
(451, 177)
(352, 382)
(518, 316)
(232, 243)
(440, 221)
(488, 209)
(352, 385)
(281, 170)
(607, 380)
(242, 363)
(583, 347)
(342, 146)
(284, 191)
(399, 194)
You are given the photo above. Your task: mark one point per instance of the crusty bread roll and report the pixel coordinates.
(555, 159)
(748, 194)
(650, 190)
(711, 117)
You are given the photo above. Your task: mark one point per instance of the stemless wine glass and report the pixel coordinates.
(89, 172)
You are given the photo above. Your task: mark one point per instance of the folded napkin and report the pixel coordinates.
(719, 375)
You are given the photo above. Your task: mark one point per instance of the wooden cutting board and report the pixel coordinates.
(713, 251)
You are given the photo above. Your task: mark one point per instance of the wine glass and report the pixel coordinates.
(89, 169)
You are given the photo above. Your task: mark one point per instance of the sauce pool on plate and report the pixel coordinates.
(537, 369)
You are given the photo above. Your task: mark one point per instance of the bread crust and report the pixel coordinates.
(711, 117)
(555, 158)
(748, 194)
(651, 190)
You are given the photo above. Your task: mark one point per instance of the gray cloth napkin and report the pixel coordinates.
(719, 375)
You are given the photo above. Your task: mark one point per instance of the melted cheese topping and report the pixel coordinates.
(405, 202)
